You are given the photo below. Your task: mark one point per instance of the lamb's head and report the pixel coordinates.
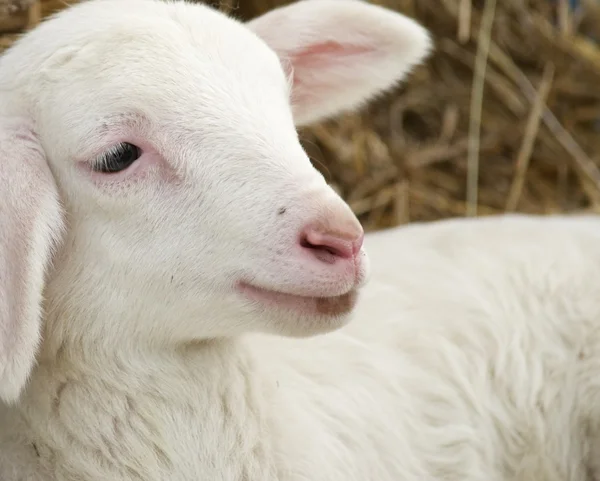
(152, 184)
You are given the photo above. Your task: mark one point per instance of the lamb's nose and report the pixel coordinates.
(331, 245)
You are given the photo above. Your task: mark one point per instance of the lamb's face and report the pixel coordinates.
(162, 136)
(173, 144)
(192, 209)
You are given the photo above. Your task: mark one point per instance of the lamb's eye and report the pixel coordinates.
(117, 158)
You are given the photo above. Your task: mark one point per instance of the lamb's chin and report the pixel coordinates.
(324, 307)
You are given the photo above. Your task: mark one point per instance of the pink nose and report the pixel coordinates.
(329, 246)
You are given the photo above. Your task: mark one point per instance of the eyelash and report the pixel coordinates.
(117, 158)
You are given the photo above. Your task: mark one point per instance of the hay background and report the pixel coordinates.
(523, 136)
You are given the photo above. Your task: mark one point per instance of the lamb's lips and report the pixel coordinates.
(328, 306)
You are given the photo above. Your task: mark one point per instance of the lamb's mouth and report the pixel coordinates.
(325, 306)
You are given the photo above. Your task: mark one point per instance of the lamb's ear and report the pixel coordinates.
(31, 222)
(341, 52)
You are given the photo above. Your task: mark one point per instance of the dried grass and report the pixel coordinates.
(505, 116)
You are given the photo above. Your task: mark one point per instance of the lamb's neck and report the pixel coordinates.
(194, 410)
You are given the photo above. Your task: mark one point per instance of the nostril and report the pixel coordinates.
(328, 246)
(324, 248)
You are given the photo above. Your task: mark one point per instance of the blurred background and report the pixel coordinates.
(503, 117)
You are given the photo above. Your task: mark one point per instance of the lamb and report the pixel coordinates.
(183, 297)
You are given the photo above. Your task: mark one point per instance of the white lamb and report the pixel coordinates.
(176, 279)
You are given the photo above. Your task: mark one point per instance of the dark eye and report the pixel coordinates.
(117, 158)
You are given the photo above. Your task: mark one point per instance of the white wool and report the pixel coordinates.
(128, 350)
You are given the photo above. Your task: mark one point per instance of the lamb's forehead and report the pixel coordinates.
(151, 42)
(178, 62)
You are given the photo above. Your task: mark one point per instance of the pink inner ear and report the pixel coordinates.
(322, 54)
(314, 61)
